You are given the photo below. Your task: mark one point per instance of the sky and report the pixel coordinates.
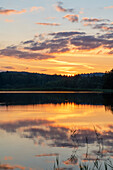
(66, 37)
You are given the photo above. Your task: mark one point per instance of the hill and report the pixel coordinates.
(12, 80)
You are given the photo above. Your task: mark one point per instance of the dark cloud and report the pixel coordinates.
(64, 50)
(96, 24)
(72, 18)
(59, 136)
(106, 36)
(28, 42)
(100, 24)
(86, 42)
(109, 45)
(91, 42)
(58, 42)
(66, 34)
(104, 27)
(22, 54)
(59, 8)
(61, 41)
(13, 126)
(52, 132)
(110, 52)
(94, 20)
(8, 67)
(54, 45)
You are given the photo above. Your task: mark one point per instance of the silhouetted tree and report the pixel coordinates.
(108, 80)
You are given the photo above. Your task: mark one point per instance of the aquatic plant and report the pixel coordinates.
(99, 163)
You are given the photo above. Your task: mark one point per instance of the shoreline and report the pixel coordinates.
(33, 90)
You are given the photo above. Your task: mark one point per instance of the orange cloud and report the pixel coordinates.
(60, 9)
(81, 12)
(35, 8)
(107, 28)
(109, 7)
(8, 158)
(72, 18)
(9, 20)
(51, 18)
(49, 24)
(11, 11)
(91, 19)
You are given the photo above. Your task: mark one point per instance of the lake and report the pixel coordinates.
(39, 128)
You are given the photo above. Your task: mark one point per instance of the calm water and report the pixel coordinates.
(38, 128)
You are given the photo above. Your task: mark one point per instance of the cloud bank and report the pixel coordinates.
(43, 47)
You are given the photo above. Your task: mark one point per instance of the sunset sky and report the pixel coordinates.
(56, 37)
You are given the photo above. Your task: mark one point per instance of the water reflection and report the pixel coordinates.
(45, 126)
(108, 102)
(47, 98)
(44, 131)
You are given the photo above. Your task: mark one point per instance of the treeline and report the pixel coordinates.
(35, 81)
(108, 80)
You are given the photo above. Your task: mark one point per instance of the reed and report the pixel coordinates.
(99, 163)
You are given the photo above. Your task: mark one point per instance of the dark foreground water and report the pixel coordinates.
(36, 129)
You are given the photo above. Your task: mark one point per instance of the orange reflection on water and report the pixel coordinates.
(66, 114)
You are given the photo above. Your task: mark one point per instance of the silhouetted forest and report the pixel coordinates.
(108, 80)
(35, 81)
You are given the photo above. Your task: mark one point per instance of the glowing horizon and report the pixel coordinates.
(53, 37)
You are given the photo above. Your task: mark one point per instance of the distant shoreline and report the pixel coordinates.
(23, 81)
(44, 90)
